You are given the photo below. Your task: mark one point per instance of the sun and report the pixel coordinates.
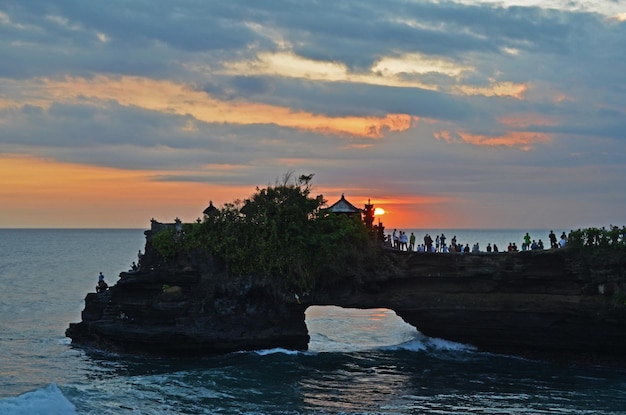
(379, 211)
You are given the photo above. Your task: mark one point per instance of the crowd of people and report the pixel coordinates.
(403, 242)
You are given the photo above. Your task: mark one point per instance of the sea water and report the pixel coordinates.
(359, 362)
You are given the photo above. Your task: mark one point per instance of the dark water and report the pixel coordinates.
(360, 362)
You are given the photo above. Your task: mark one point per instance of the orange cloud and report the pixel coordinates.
(174, 98)
(618, 18)
(521, 139)
(526, 120)
(445, 136)
(44, 193)
(563, 98)
(495, 89)
(4, 103)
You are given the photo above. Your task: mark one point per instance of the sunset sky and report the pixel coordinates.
(446, 114)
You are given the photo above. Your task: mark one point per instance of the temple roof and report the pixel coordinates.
(343, 206)
(210, 209)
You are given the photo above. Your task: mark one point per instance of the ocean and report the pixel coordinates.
(359, 362)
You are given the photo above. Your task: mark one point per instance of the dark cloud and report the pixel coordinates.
(250, 86)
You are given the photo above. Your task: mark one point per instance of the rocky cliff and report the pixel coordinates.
(544, 303)
(181, 308)
(556, 304)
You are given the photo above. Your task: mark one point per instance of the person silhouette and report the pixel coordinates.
(102, 285)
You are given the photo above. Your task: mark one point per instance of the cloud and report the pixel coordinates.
(405, 100)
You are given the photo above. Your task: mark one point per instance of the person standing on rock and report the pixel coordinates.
(428, 242)
(563, 240)
(102, 285)
(527, 240)
(552, 237)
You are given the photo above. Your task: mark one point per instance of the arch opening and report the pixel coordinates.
(337, 329)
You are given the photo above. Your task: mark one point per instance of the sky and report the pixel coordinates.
(446, 114)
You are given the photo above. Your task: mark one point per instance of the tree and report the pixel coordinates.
(283, 232)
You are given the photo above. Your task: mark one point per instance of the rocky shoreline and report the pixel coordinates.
(557, 303)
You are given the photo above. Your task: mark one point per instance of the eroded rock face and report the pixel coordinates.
(556, 303)
(190, 310)
(543, 303)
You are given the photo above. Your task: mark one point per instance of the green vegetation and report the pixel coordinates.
(614, 237)
(601, 247)
(279, 232)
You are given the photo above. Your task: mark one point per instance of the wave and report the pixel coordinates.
(44, 401)
(427, 344)
(413, 341)
(265, 352)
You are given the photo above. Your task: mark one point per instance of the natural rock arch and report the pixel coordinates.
(543, 303)
(333, 328)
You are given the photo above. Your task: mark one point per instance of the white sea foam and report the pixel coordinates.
(423, 343)
(265, 352)
(447, 345)
(45, 401)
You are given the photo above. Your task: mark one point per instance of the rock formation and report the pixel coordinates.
(550, 303)
(177, 308)
(553, 303)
